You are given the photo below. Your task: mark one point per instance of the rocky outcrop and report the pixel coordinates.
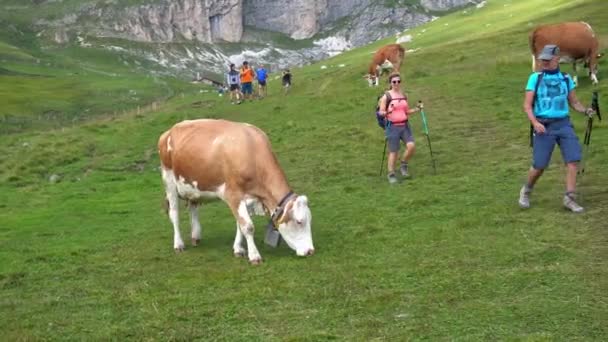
(299, 19)
(208, 21)
(175, 20)
(444, 5)
(366, 20)
(374, 22)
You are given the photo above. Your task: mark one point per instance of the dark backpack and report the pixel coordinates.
(382, 119)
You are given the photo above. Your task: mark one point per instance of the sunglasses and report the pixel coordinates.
(395, 81)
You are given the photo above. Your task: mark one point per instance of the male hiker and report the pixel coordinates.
(233, 78)
(247, 75)
(262, 75)
(548, 94)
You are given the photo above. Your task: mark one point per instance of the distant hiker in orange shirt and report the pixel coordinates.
(247, 76)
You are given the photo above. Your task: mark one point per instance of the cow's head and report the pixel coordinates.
(294, 226)
(372, 80)
(594, 69)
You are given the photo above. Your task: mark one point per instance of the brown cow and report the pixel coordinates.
(576, 42)
(388, 56)
(207, 159)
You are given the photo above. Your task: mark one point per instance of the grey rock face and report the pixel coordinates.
(375, 22)
(175, 20)
(208, 21)
(336, 25)
(443, 5)
(300, 19)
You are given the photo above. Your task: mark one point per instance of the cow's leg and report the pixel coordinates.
(247, 228)
(594, 79)
(195, 223)
(237, 247)
(593, 69)
(173, 204)
(575, 71)
(238, 205)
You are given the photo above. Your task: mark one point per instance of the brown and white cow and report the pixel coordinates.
(208, 159)
(387, 57)
(576, 41)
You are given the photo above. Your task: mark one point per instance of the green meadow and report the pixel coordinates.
(446, 256)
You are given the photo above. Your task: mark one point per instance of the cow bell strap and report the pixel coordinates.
(279, 210)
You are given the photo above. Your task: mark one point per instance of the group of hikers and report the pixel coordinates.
(548, 95)
(240, 82)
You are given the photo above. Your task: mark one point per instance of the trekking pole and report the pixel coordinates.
(596, 107)
(425, 128)
(383, 154)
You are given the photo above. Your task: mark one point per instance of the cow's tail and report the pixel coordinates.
(165, 161)
(165, 206)
(533, 63)
(531, 38)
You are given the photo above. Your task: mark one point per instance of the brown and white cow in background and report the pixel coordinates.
(387, 57)
(208, 159)
(576, 41)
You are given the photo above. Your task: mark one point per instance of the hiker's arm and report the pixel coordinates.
(577, 105)
(528, 99)
(538, 127)
(413, 110)
(382, 105)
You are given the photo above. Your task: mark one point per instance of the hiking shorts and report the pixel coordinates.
(247, 88)
(262, 83)
(560, 132)
(394, 134)
(234, 87)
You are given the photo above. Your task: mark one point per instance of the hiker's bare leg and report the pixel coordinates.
(534, 175)
(392, 157)
(410, 149)
(571, 176)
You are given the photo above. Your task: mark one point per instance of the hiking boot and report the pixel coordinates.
(571, 205)
(392, 179)
(403, 170)
(524, 197)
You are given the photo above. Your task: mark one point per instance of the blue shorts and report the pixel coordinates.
(247, 88)
(394, 134)
(560, 132)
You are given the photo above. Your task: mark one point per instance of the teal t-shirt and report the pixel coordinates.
(552, 96)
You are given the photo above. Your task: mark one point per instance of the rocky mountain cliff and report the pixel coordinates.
(328, 26)
(224, 20)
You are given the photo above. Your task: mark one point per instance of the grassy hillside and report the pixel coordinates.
(439, 257)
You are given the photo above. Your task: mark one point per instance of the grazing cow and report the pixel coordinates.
(209, 159)
(388, 56)
(576, 41)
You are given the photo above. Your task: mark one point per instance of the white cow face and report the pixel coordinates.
(295, 228)
(372, 80)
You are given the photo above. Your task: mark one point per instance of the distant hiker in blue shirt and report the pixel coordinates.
(548, 94)
(233, 79)
(262, 76)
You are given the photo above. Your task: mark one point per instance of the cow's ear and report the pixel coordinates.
(286, 213)
(302, 200)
